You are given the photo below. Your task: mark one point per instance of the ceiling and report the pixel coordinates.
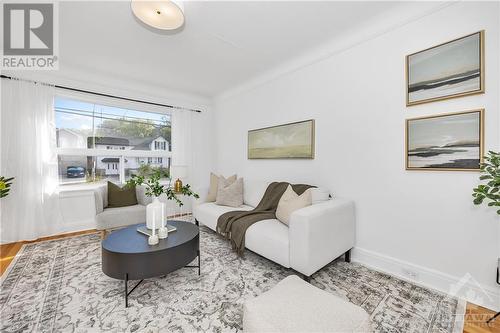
(223, 44)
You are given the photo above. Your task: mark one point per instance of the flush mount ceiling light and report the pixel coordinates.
(160, 14)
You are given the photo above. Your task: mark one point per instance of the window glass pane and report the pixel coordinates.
(72, 169)
(144, 166)
(87, 125)
(81, 169)
(74, 123)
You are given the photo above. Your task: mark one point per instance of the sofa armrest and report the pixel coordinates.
(320, 233)
(99, 201)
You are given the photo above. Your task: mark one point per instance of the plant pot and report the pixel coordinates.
(155, 214)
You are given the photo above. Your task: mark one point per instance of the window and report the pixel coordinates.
(97, 142)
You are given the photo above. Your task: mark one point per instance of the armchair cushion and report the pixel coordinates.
(121, 196)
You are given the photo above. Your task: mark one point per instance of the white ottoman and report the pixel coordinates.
(294, 305)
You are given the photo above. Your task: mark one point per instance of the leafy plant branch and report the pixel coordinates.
(154, 188)
(490, 173)
(5, 184)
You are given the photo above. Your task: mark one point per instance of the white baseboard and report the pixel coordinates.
(465, 287)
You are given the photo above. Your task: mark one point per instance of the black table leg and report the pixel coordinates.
(127, 293)
(199, 263)
(126, 290)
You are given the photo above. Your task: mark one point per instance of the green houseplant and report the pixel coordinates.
(156, 211)
(490, 175)
(5, 184)
(155, 189)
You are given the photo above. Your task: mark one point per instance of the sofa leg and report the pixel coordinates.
(347, 256)
(197, 222)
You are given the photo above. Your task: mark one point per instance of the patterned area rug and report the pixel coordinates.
(58, 286)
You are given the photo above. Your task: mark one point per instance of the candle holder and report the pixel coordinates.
(153, 240)
(162, 232)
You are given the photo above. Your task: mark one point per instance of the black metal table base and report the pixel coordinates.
(127, 293)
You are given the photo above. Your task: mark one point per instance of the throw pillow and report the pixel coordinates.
(214, 182)
(290, 202)
(230, 193)
(121, 196)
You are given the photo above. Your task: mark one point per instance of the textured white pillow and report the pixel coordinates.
(290, 202)
(319, 194)
(230, 193)
(214, 184)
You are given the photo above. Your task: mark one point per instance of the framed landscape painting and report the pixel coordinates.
(452, 141)
(449, 70)
(294, 140)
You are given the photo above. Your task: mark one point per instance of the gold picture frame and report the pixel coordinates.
(459, 80)
(276, 142)
(461, 146)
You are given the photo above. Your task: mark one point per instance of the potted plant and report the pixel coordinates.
(490, 173)
(5, 184)
(490, 191)
(155, 211)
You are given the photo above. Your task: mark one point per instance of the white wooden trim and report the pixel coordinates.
(113, 152)
(460, 287)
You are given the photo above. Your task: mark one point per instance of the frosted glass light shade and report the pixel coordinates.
(160, 14)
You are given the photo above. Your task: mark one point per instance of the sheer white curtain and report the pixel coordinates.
(28, 145)
(182, 139)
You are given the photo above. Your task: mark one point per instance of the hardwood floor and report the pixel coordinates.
(475, 316)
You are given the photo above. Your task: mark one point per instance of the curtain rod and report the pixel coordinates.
(111, 96)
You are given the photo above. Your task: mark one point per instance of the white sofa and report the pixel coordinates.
(316, 235)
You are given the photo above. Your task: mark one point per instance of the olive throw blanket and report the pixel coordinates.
(233, 225)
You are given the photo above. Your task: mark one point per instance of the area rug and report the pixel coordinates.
(58, 286)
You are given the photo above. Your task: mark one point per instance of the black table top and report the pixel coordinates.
(129, 240)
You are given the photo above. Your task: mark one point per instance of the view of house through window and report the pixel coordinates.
(97, 142)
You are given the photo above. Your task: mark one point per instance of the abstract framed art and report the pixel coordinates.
(293, 140)
(452, 141)
(449, 70)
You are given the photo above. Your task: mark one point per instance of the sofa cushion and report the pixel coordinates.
(230, 193)
(294, 305)
(214, 185)
(208, 213)
(121, 216)
(254, 191)
(290, 202)
(269, 238)
(121, 196)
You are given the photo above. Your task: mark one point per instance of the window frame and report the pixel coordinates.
(120, 153)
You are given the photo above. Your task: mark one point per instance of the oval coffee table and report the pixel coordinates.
(126, 254)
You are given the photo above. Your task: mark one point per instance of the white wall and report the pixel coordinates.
(407, 221)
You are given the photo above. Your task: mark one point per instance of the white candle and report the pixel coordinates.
(162, 215)
(154, 220)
